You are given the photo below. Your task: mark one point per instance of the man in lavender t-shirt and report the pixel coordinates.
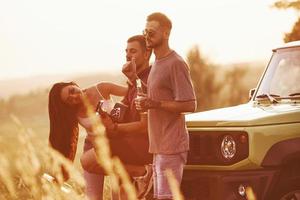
(170, 94)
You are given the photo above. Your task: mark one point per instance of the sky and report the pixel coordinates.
(87, 36)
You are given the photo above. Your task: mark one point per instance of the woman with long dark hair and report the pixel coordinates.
(67, 109)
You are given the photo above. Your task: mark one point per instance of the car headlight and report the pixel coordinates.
(228, 147)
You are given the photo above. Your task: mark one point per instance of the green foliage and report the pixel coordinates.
(30, 108)
(285, 4)
(234, 89)
(34, 102)
(217, 86)
(203, 77)
(294, 35)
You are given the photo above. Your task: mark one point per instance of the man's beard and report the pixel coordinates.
(155, 45)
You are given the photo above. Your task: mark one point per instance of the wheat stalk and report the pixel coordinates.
(174, 186)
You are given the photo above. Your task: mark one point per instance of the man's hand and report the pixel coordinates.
(107, 122)
(129, 69)
(143, 103)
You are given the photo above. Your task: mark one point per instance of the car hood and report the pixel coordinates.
(249, 114)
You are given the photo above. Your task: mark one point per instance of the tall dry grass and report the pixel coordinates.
(31, 169)
(175, 188)
(23, 163)
(111, 165)
(115, 169)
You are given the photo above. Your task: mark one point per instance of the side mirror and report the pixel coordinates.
(251, 93)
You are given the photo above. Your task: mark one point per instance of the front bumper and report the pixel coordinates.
(223, 185)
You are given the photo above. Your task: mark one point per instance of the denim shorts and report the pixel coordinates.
(161, 162)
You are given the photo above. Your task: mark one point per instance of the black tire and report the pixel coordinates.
(288, 182)
(288, 188)
(291, 191)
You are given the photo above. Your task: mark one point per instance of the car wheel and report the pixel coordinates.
(292, 195)
(287, 190)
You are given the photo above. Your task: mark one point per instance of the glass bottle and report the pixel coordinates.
(139, 91)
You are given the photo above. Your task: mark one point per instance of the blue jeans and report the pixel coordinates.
(161, 162)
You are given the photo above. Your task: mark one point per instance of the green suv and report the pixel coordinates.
(254, 145)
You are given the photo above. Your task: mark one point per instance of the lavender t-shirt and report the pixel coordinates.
(169, 80)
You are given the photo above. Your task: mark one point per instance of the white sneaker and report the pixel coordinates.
(143, 184)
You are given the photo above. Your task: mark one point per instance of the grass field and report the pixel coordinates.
(26, 156)
(24, 131)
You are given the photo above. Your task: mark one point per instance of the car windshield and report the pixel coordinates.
(282, 78)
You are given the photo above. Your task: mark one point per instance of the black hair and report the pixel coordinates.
(63, 122)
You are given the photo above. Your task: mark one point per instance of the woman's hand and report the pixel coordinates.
(110, 126)
(107, 122)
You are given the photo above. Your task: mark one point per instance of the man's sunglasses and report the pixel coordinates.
(147, 33)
